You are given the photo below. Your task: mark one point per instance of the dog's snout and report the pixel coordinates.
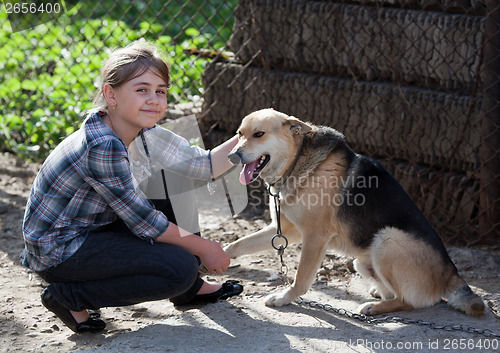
(234, 157)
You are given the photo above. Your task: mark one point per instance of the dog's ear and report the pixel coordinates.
(296, 126)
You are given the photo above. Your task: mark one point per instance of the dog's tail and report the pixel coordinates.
(462, 298)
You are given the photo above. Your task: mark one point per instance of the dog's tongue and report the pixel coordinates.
(247, 172)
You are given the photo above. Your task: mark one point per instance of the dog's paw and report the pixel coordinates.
(202, 269)
(368, 308)
(279, 299)
(374, 292)
(230, 250)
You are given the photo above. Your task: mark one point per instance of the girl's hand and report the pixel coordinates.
(214, 258)
(210, 252)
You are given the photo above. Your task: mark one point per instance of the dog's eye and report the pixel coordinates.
(259, 134)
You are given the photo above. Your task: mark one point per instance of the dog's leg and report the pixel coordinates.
(379, 290)
(313, 252)
(255, 242)
(261, 240)
(412, 269)
(384, 306)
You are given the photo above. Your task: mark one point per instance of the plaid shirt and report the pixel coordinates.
(86, 182)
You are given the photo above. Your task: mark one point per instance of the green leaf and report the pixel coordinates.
(192, 32)
(13, 84)
(29, 85)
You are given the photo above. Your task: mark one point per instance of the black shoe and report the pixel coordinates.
(94, 324)
(228, 289)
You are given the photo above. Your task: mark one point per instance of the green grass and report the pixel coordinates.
(49, 73)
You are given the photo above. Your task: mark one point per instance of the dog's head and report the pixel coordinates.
(268, 142)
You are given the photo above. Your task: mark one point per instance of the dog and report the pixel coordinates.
(334, 198)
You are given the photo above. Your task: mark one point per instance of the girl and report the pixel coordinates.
(88, 229)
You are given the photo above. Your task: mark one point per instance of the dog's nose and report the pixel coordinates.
(234, 158)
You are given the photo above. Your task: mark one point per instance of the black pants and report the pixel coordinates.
(114, 267)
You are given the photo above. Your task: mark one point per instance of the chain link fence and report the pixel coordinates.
(51, 53)
(412, 83)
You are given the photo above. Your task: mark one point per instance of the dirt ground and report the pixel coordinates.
(241, 323)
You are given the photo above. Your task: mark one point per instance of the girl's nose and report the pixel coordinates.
(152, 99)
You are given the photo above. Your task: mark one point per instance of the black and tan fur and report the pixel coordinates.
(394, 245)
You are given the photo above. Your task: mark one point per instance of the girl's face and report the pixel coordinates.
(141, 102)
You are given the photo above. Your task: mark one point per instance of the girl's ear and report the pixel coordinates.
(109, 95)
(296, 126)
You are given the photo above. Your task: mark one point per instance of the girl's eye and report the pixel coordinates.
(259, 134)
(145, 90)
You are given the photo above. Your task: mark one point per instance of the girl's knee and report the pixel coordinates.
(185, 268)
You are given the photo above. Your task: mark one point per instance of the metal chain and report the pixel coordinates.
(395, 319)
(279, 235)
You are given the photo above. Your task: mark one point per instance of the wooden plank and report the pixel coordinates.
(422, 48)
(490, 147)
(452, 6)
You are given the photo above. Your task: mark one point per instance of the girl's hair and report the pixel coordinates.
(127, 63)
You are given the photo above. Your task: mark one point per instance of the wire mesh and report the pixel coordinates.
(49, 62)
(412, 83)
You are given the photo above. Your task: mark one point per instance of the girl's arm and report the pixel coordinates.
(220, 161)
(210, 252)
